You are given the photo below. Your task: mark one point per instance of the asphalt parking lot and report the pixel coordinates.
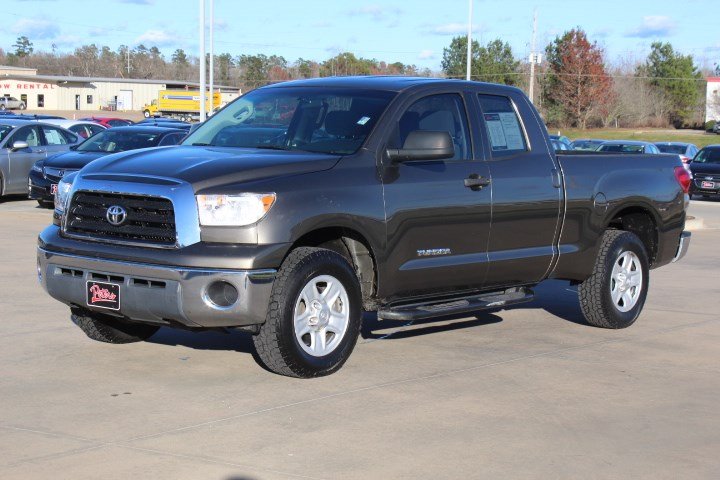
(525, 393)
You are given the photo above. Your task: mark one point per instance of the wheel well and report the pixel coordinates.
(356, 250)
(640, 222)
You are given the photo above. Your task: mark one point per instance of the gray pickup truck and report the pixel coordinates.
(302, 205)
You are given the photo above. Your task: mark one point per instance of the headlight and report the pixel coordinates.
(233, 210)
(62, 195)
(37, 166)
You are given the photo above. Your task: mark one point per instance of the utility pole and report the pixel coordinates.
(533, 60)
(212, 54)
(469, 42)
(202, 60)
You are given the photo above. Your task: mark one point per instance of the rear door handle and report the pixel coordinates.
(476, 182)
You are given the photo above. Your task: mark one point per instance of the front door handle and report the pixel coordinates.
(475, 182)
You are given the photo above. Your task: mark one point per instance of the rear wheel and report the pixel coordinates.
(614, 295)
(104, 328)
(22, 106)
(2, 106)
(314, 316)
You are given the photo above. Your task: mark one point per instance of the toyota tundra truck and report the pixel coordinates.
(303, 205)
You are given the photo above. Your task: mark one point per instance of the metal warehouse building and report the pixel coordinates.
(55, 92)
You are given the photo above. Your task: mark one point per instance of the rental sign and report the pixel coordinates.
(26, 86)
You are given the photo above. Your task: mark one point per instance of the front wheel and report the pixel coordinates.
(104, 328)
(22, 106)
(614, 295)
(2, 106)
(146, 113)
(314, 315)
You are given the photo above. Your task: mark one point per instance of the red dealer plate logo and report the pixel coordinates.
(103, 295)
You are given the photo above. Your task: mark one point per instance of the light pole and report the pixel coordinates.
(469, 42)
(212, 54)
(202, 60)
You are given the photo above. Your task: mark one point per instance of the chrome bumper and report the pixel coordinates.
(159, 294)
(683, 245)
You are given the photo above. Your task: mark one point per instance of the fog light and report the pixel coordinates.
(39, 272)
(221, 294)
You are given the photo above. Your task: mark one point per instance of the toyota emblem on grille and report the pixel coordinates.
(116, 215)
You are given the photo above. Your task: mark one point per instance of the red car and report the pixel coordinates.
(109, 121)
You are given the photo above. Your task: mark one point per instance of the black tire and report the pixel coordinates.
(107, 329)
(22, 106)
(596, 301)
(146, 114)
(277, 346)
(2, 106)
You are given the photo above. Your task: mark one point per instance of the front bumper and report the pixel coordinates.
(39, 187)
(163, 295)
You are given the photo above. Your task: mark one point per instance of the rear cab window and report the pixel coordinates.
(504, 130)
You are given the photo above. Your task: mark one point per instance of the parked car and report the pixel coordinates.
(372, 195)
(109, 122)
(705, 169)
(46, 174)
(80, 127)
(687, 151)
(716, 127)
(586, 144)
(164, 122)
(563, 139)
(25, 116)
(627, 146)
(11, 103)
(558, 145)
(22, 143)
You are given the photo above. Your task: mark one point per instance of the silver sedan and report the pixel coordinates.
(22, 143)
(11, 103)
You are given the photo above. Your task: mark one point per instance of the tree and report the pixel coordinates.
(179, 58)
(578, 86)
(23, 47)
(676, 76)
(224, 63)
(491, 63)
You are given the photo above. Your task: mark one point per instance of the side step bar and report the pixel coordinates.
(473, 303)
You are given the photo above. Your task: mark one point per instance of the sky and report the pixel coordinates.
(409, 31)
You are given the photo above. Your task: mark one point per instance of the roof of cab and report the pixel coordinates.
(375, 82)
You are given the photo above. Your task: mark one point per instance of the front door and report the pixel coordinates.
(437, 228)
(526, 193)
(21, 161)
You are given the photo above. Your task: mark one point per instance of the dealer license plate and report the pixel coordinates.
(708, 184)
(103, 295)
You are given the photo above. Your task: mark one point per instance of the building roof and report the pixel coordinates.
(13, 67)
(60, 79)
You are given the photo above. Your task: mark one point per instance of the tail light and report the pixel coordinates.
(683, 178)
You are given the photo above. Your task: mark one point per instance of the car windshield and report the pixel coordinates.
(615, 147)
(708, 155)
(327, 120)
(678, 149)
(118, 141)
(4, 130)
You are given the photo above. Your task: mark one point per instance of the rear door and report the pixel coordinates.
(437, 228)
(526, 191)
(21, 161)
(56, 139)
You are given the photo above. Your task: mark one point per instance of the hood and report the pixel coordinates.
(72, 159)
(207, 167)
(699, 169)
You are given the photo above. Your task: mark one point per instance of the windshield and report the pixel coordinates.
(117, 141)
(4, 130)
(585, 145)
(678, 149)
(708, 155)
(621, 148)
(327, 120)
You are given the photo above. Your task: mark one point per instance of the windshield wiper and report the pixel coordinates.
(201, 144)
(272, 147)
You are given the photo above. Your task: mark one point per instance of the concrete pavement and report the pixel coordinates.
(526, 393)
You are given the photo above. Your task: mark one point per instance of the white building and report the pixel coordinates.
(55, 92)
(712, 99)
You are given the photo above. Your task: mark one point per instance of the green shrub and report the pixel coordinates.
(709, 125)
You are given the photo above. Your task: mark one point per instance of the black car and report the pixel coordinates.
(705, 169)
(46, 174)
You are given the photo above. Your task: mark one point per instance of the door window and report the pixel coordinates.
(29, 135)
(444, 113)
(171, 139)
(55, 136)
(503, 125)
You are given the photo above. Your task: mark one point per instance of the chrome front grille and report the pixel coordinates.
(149, 220)
(56, 174)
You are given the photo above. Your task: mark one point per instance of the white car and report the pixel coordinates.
(11, 103)
(83, 128)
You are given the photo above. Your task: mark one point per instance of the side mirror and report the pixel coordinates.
(19, 145)
(423, 145)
